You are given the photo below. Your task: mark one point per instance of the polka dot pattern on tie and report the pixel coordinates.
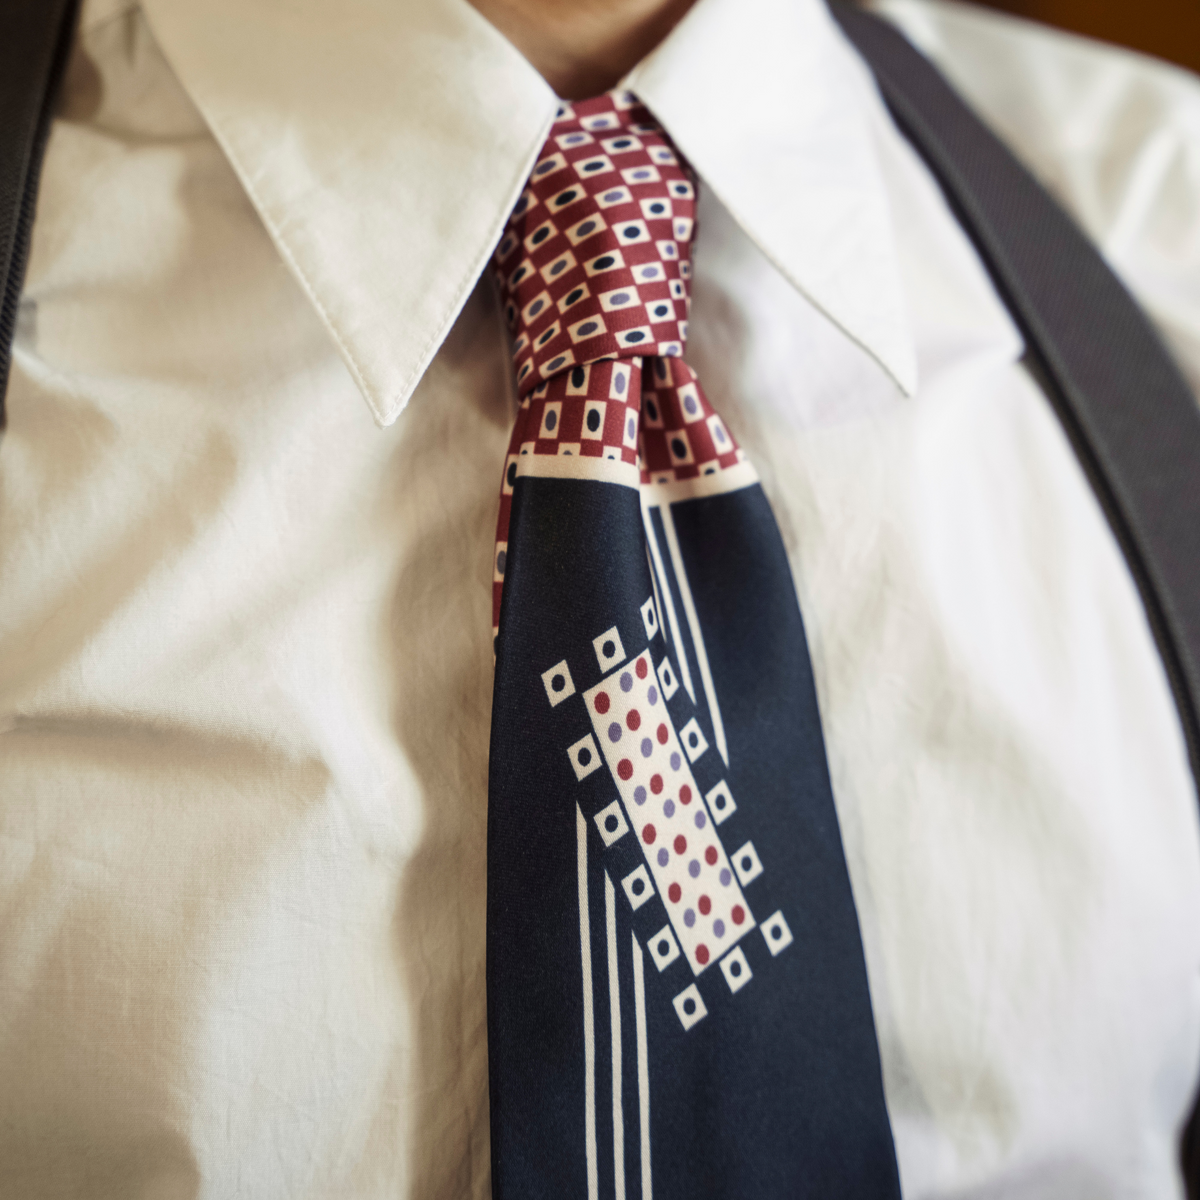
(705, 905)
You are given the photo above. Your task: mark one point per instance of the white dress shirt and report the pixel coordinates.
(258, 411)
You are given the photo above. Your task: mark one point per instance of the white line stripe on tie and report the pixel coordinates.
(643, 1063)
(689, 608)
(589, 1020)
(614, 1008)
(676, 638)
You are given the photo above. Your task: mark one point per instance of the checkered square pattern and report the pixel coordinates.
(593, 270)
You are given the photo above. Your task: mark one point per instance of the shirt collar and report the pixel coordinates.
(384, 143)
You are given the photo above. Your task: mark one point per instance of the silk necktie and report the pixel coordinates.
(677, 997)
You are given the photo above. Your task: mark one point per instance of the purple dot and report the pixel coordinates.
(719, 927)
(639, 794)
(652, 694)
(641, 174)
(664, 857)
(647, 747)
(694, 868)
(701, 819)
(626, 681)
(619, 385)
(724, 877)
(614, 732)
(675, 761)
(585, 228)
(590, 327)
(689, 403)
(632, 427)
(611, 196)
(689, 917)
(719, 433)
(668, 808)
(620, 298)
(649, 272)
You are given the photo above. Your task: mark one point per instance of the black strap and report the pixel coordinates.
(1131, 418)
(35, 37)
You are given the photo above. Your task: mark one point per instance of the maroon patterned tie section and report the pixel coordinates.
(594, 271)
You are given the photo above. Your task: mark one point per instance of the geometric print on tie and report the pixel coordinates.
(677, 995)
(593, 271)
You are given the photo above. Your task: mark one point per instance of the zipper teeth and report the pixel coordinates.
(63, 28)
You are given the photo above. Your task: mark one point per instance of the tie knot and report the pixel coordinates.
(594, 261)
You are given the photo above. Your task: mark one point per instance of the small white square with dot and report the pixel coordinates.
(636, 175)
(630, 233)
(663, 948)
(617, 195)
(618, 298)
(593, 419)
(584, 756)
(611, 822)
(558, 683)
(666, 679)
(543, 233)
(650, 618)
(588, 227)
(746, 863)
(589, 167)
(690, 1007)
(589, 327)
(637, 887)
(550, 419)
(609, 651)
(776, 933)
(736, 969)
(618, 384)
(720, 802)
(693, 739)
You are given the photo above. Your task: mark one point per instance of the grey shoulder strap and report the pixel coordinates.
(35, 37)
(1131, 418)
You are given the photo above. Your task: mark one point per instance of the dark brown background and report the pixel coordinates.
(1167, 28)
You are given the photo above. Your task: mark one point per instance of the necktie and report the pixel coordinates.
(677, 997)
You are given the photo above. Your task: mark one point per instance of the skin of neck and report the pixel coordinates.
(583, 47)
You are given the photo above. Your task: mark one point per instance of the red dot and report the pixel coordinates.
(641, 668)
(685, 794)
(648, 835)
(710, 856)
(702, 954)
(602, 702)
(705, 906)
(738, 914)
(625, 768)
(634, 719)
(680, 844)
(674, 892)
(655, 783)
(662, 735)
